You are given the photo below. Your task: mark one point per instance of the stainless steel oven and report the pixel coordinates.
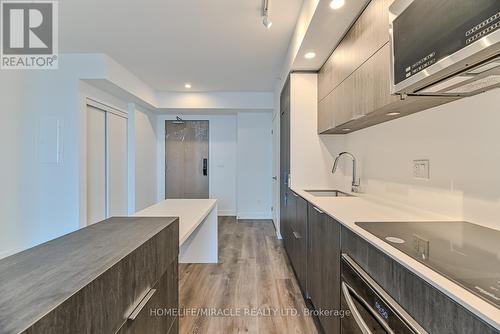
(371, 309)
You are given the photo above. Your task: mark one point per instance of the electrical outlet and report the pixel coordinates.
(421, 169)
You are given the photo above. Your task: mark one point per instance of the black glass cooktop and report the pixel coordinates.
(466, 253)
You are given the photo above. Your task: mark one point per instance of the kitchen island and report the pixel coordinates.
(103, 278)
(197, 227)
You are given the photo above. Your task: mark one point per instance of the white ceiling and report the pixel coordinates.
(216, 45)
(325, 31)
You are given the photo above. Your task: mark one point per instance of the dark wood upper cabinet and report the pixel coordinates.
(323, 267)
(354, 83)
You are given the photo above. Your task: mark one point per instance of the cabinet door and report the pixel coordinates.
(153, 316)
(323, 266)
(290, 216)
(368, 34)
(284, 154)
(300, 242)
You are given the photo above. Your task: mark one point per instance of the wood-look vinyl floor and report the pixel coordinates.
(252, 281)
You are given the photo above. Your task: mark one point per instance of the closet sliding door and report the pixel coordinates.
(117, 165)
(96, 165)
(107, 159)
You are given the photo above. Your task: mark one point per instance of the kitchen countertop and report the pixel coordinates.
(191, 213)
(363, 208)
(38, 280)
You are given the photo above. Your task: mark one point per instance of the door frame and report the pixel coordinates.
(165, 152)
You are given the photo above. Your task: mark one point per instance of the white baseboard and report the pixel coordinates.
(226, 213)
(254, 215)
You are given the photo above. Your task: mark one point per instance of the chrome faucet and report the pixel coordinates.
(355, 181)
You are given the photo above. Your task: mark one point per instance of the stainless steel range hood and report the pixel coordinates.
(445, 48)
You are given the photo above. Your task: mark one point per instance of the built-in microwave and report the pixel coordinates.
(445, 47)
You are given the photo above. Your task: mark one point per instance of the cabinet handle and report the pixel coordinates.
(354, 311)
(141, 305)
(296, 235)
(346, 292)
(315, 208)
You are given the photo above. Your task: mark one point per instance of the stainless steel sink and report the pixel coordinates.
(328, 193)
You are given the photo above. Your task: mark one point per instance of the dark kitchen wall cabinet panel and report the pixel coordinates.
(368, 34)
(293, 209)
(284, 155)
(323, 266)
(354, 83)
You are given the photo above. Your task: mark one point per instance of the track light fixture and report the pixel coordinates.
(265, 14)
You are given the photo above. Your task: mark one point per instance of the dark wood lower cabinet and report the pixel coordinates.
(300, 232)
(159, 314)
(323, 267)
(92, 281)
(433, 310)
(295, 238)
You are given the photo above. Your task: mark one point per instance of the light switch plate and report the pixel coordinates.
(421, 169)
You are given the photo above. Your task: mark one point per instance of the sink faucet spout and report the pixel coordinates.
(355, 180)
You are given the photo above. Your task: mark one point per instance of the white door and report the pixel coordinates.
(96, 165)
(117, 165)
(107, 172)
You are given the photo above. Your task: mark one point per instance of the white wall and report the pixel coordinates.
(303, 21)
(39, 200)
(222, 157)
(43, 198)
(240, 160)
(459, 138)
(145, 159)
(254, 171)
(215, 100)
(311, 157)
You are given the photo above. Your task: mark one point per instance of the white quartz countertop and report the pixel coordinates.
(348, 210)
(191, 213)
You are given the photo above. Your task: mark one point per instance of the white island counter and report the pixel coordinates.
(197, 227)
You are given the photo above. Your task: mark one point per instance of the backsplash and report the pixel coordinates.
(456, 138)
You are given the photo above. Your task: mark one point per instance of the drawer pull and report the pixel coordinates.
(315, 208)
(141, 305)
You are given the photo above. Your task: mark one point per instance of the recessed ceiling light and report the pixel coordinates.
(393, 114)
(336, 4)
(188, 86)
(346, 129)
(310, 55)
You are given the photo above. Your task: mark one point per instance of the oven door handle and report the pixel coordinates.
(354, 311)
(346, 291)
